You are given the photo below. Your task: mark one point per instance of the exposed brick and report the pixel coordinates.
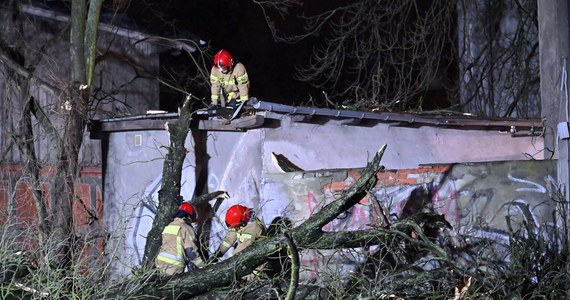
(335, 186)
(441, 168)
(99, 203)
(354, 174)
(385, 174)
(48, 171)
(364, 200)
(91, 172)
(26, 213)
(10, 168)
(407, 181)
(403, 175)
(386, 182)
(404, 172)
(81, 203)
(423, 170)
(3, 202)
(25, 209)
(381, 175)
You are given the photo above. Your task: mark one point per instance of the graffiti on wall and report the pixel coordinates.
(474, 198)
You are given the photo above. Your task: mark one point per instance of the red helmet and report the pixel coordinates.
(237, 215)
(223, 60)
(189, 208)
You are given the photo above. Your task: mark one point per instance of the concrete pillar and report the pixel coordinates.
(554, 50)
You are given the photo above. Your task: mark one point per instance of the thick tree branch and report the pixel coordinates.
(295, 266)
(310, 230)
(204, 199)
(91, 38)
(225, 273)
(168, 196)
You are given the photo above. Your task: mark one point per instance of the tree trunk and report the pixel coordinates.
(63, 192)
(31, 164)
(169, 195)
(83, 40)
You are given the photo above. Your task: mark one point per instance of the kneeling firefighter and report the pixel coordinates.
(179, 250)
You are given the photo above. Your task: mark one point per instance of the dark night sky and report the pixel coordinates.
(240, 27)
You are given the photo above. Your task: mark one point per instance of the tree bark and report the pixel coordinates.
(26, 146)
(169, 195)
(82, 41)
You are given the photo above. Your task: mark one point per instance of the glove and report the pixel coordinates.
(232, 104)
(191, 266)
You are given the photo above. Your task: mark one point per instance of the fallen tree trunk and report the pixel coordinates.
(306, 236)
(169, 194)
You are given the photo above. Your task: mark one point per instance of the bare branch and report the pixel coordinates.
(295, 265)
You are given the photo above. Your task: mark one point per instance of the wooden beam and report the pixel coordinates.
(301, 118)
(134, 125)
(239, 124)
(351, 121)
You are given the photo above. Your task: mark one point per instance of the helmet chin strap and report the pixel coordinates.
(187, 220)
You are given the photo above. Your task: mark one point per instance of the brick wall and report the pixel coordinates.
(17, 204)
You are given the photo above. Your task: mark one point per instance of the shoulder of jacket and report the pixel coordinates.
(258, 223)
(216, 72)
(180, 222)
(239, 68)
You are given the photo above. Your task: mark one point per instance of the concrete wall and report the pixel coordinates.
(241, 164)
(312, 146)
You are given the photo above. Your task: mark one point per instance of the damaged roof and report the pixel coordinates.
(257, 114)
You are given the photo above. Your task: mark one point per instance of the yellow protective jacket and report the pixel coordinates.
(234, 85)
(179, 249)
(243, 237)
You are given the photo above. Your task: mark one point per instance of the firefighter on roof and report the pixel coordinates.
(229, 81)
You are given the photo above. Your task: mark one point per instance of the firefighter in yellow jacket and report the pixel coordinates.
(229, 80)
(244, 229)
(179, 248)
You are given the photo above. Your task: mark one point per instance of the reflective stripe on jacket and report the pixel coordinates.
(178, 241)
(243, 237)
(234, 85)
